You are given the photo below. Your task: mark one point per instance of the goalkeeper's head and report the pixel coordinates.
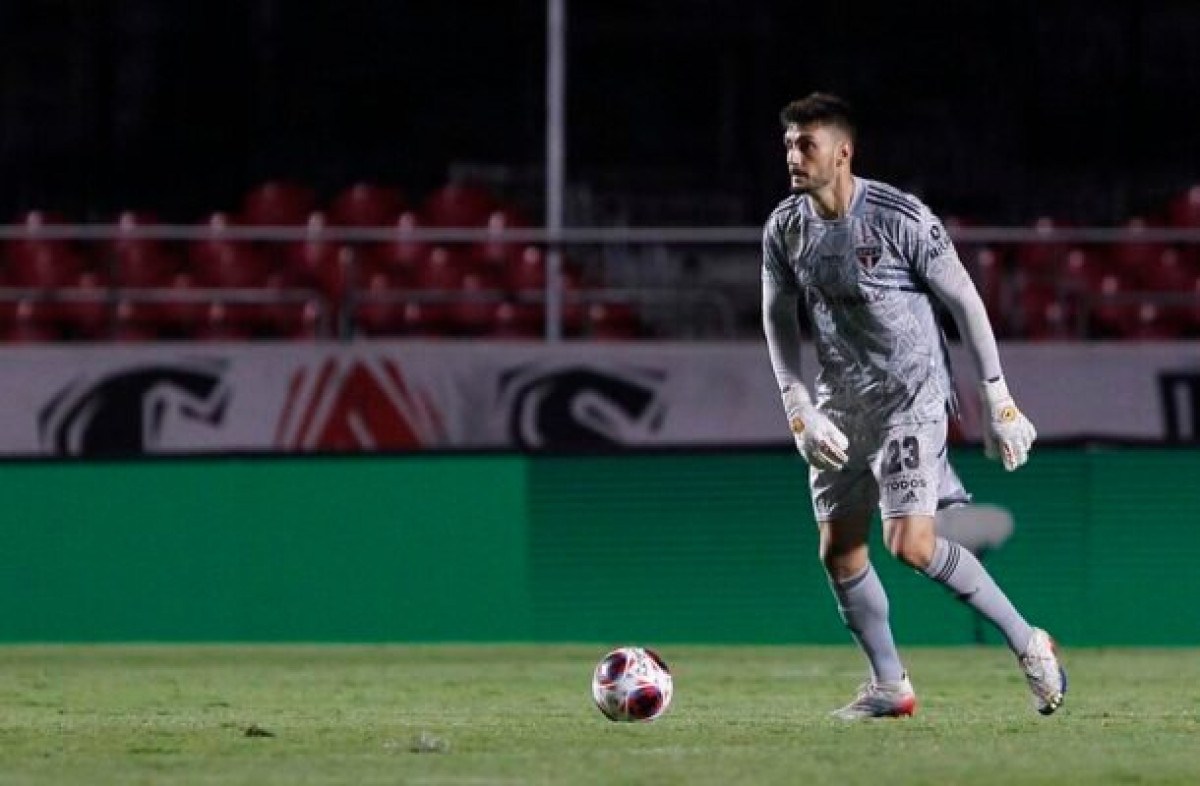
(819, 137)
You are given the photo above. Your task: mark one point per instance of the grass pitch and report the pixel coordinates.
(523, 714)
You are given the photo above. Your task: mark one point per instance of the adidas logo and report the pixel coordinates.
(911, 496)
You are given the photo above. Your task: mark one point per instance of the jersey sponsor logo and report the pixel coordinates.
(904, 484)
(128, 412)
(910, 497)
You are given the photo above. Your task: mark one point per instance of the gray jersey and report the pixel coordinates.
(866, 283)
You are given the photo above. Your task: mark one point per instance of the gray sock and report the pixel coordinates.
(965, 576)
(864, 608)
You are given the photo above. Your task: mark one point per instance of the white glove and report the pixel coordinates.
(822, 444)
(1007, 434)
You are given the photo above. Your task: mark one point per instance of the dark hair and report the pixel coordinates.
(821, 108)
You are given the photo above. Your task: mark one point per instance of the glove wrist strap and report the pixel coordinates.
(995, 392)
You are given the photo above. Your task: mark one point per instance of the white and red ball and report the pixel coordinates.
(632, 684)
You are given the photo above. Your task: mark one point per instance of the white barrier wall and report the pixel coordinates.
(77, 400)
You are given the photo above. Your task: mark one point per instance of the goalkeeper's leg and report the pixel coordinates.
(913, 539)
(863, 605)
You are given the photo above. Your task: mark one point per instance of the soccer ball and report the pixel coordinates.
(632, 684)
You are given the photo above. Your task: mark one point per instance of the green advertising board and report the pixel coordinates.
(695, 547)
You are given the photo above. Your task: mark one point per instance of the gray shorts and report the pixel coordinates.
(903, 469)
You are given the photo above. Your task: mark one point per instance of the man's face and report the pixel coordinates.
(814, 153)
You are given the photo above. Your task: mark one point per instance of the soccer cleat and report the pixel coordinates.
(1046, 677)
(880, 700)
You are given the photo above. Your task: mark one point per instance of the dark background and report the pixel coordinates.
(995, 111)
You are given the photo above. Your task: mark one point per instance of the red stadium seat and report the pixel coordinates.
(1047, 314)
(516, 321)
(1042, 259)
(1184, 209)
(1167, 271)
(46, 264)
(458, 205)
(134, 322)
(612, 322)
(128, 224)
(496, 253)
(83, 310)
(231, 264)
(1084, 271)
(142, 265)
(1133, 256)
(226, 322)
(278, 203)
(401, 256)
(380, 311)
(473, 312)
(180, 315)
(311, 323)
(442, 270)
(1112, 316)
(366, 205)
(1152, 323)
(33, 223)
(31, 323)
(528, 272)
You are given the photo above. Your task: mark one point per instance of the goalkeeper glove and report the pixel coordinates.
(820, 442)
(1007, 434)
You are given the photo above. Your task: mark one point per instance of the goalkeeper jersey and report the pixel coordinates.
(864, 283)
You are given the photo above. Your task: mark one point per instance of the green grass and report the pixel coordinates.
(522, 714)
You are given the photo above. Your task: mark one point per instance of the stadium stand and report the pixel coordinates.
(130, 287)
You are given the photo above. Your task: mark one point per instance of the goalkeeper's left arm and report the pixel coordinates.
(1007, 433)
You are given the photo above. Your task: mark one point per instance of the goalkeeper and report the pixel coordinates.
(866, 263)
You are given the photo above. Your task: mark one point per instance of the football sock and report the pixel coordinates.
(864, 608)
(965, 576)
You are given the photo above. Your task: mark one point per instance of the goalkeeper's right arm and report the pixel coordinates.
(820, 442)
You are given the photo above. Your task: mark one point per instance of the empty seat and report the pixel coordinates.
(278, 203)
(472, 313)
(1042, 258)
(44, 264)
(1113, 310)
(83, 310)
(142, 265)
(612, 322)
(1166, 271)
(496, 252)
(380, 308)
(181, 312)
(226, 322)
(1133, 255)
(30, 322)
(230, 264)
(401, 255)
(441, 270)
(516, 321)
(1153, 323)
(134, 321)
(458, 205)
(1184, 209)
(366, 205)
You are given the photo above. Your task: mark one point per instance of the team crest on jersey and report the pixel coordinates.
(868, 250)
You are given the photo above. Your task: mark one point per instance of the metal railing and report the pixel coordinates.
(715, 303)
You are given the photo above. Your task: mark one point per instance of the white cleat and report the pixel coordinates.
(1046, 677)
(880, 700)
